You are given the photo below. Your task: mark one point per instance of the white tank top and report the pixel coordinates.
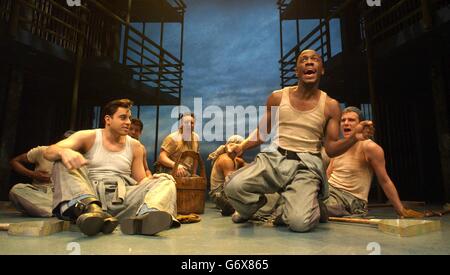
(103, 163)
(299, 131)
(352, 173)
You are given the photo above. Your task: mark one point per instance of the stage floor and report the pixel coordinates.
(218, 235)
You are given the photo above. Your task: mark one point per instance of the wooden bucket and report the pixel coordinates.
(191, 191)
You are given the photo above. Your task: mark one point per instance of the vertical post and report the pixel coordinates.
(297, 28)
(181, 55)
(281, 46)
(141, 69)
(426, 15)
(161, 64)
(321, 39)
(13, 26)
(125, 34)
(77, 74)
(327, 29)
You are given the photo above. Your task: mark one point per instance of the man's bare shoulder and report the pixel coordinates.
(224, 160)
(332, 107)
(274, 98)
(136, 144)
(331, 102)
(372, 150)
(84, 135)
(371, 146)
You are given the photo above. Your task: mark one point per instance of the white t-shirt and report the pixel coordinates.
(36, 156)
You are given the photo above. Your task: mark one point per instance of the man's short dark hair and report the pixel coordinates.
(354, 110)
(111, 107)
(138, 122)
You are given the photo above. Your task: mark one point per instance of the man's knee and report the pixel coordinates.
(164, 182)
(17, 188)
(302, 223)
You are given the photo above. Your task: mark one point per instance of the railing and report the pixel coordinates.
(390, 18)
(149, 61)
(377, 23)
(394, 16)
(46, 19)
(98, 28)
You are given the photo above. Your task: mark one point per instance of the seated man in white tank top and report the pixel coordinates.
(292, 165)
(350, 174)
(99, 180)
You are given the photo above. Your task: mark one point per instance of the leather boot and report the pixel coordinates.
(91, 219)
(149, 223)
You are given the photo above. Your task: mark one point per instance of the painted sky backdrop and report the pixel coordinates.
(231, 57)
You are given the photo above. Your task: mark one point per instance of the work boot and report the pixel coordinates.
(225, 207)
(91, 219)
(149, 223)
(237, 218)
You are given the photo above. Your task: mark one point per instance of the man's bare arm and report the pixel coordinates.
(330, 169)
(259, 135)
(167, 162)
(375, 156)
(148, 173)
(226, 165)
(137, 165)
(17, 164)
(68, 150)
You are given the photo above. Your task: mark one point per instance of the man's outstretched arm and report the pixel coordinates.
(375, 156)
(260, 134)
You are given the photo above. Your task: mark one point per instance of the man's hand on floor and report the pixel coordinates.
(409, 213)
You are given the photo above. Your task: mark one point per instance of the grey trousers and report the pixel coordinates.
(33, 201)
(272, 172)
(342, 203)
(159, 192)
